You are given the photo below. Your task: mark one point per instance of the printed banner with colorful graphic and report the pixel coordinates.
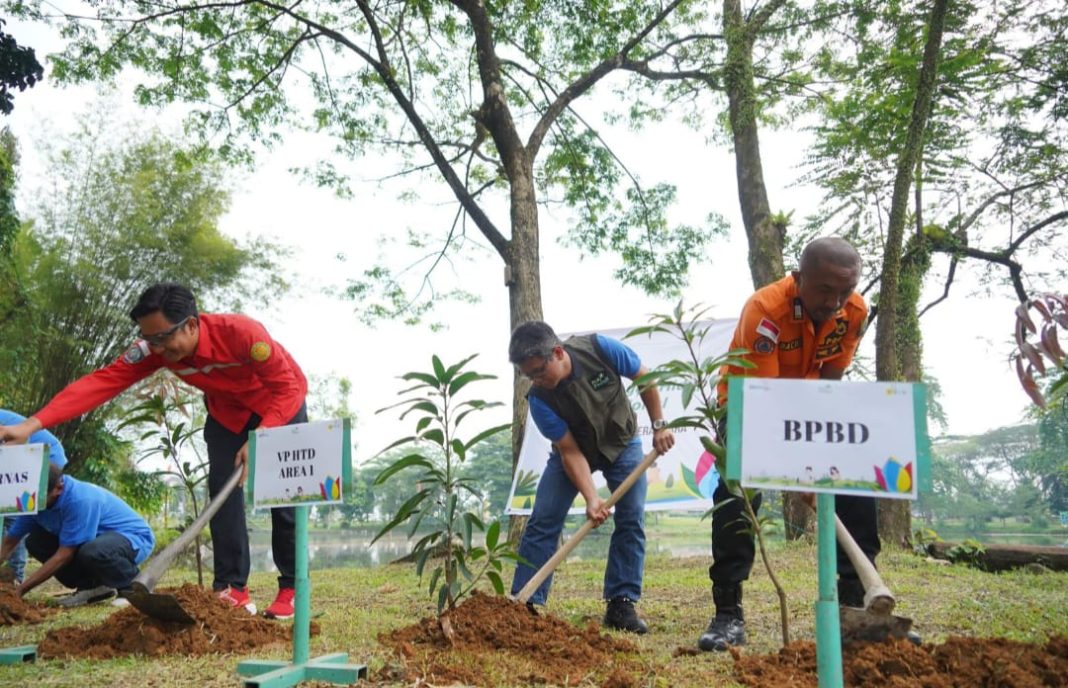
(23, 478)
(302, 464)
(683, 479)
(866, 438)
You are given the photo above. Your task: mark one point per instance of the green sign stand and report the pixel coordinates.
(828, 624)
(332, 668)
(21, 654)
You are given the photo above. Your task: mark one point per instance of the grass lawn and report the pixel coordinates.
(355, 605)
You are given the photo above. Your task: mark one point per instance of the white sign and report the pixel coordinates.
(23, 478)
(827, 436)
(681, 480)
(307, 463)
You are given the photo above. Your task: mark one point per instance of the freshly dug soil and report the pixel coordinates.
(217, 629)
(957, 663)
(498, 641)
(15, 610)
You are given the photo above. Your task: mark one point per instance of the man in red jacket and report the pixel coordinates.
(249, 381)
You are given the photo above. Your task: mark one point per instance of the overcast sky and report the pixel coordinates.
(967, 339)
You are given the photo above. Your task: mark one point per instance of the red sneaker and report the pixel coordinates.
(282, 607)
(237, 597)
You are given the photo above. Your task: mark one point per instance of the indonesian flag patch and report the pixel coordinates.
(768, 329)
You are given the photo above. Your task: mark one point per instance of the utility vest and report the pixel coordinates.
(593, 402)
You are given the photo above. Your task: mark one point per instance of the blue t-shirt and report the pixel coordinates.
(620, 357)
(85, 511)
(55, 450)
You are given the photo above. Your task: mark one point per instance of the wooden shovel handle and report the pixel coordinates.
(877, 597)
(572, 542)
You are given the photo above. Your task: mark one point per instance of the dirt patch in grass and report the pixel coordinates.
(498, 641)
(956, 663)
(15, 610)
(217, 629)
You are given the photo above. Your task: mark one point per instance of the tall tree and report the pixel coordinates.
(479, 94)
(19, 69)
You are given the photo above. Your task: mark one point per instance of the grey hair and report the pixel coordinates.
(532, 339)
(834, 250)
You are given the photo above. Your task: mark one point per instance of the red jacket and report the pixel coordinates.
(237, 365)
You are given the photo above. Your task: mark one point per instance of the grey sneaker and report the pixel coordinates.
(100, 593)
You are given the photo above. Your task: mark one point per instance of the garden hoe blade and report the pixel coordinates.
(874, 623)
(159, 605)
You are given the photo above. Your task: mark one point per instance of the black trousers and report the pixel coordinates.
(733, 548)
(107, 560)
(229, 532)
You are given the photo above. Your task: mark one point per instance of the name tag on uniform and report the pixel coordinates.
(600, 380)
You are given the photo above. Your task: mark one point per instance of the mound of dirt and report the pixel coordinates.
(498, 641)
(15, 610)
(217, 629)
(957, 663)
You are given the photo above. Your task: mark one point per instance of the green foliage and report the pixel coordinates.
(970, 552)
(19, 69)
(9, 220)
(121, 211)
(436, 507)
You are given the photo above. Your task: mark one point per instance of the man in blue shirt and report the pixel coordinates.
(17, 560)
(87, 538)
(579, 402)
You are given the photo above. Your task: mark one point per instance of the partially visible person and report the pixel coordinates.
(86, 537)
(805, 326)
(579, 402)
(17, 559)
(249, 381)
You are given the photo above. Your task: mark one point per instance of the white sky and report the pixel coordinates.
(967, 339)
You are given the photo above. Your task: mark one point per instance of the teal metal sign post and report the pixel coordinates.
(332, 668)
(828, 624)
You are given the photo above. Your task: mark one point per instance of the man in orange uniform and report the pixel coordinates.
(249, 381)
(804, 326)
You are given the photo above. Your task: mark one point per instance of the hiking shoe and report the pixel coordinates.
(237, 597)
(724, 630)
(622, 616)
(80, 598)
(282, 607)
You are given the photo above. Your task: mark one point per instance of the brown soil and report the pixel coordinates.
(957, 663)
(217, 629)
(498, 641)
(15, 610)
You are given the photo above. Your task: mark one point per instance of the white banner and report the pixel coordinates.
(829, 436)
(23, 478)
(299, 464)
(683, 479)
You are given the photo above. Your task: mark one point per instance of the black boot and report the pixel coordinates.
(727, 628)
(622, 616)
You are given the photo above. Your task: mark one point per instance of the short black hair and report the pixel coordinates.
(55, 474)
(175, 301)
(532, 338)
(831, 249)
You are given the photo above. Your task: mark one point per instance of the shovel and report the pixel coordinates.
(163, 606)
(572, 542)
(873, 623)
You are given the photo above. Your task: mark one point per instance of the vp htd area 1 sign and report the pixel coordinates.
(827, 436)
(306, 463)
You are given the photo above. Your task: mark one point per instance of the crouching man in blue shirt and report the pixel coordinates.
(87, 538)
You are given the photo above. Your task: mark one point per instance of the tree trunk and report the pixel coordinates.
(896, 324)
(765, 238)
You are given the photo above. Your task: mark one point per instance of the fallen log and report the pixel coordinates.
(1006, 557)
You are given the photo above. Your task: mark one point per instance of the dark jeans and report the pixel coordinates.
(733, 548)
(229, 532)
(107, 560)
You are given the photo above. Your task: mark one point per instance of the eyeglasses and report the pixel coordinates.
(539, 371)
(160, 338)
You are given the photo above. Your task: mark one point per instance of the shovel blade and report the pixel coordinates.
(861, 625)
(157, 605)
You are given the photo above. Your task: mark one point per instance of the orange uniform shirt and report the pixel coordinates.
(782, 340)
(237, 365)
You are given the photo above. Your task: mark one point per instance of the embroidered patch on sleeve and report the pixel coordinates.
(260, 352)
(764, 345)
(768, 329)
(136, 353)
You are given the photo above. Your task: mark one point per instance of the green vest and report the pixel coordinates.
(593, 402)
